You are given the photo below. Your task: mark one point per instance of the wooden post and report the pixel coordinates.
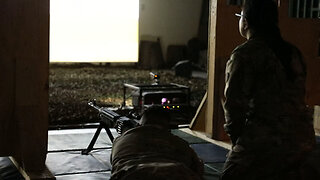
(24, 66)
(223, 38)
(210, 109)
(217, 35)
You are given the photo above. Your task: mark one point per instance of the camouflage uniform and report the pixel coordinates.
(148, 152)
(266, 118)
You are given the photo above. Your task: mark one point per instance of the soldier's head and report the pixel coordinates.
(258, 16)
(156, 116)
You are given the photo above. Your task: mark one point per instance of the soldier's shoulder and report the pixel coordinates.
(250, 46)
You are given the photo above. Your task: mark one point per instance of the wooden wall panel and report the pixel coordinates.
(305, 34)
(24, 57)
(8, 126)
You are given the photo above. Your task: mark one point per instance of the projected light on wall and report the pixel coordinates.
(94, 30)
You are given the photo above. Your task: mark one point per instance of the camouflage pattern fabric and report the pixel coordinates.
(148, 152)
(266, 117)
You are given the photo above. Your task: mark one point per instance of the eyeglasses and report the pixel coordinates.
(238, 15)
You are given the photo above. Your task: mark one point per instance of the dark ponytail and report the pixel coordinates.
(262, 18)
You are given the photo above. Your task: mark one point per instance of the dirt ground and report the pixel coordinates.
(72, 86)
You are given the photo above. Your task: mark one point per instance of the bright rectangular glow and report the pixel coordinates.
(94, 30)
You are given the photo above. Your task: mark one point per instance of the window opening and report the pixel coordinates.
(94, 30)
(304, 8)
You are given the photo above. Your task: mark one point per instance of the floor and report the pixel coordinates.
(66, 162)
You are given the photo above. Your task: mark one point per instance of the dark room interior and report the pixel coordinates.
(51, 111)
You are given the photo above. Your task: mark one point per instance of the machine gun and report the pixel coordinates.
(173, 97)
(109, 119)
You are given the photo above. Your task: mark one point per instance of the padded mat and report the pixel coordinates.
(66, 162)
(8, 170)
(72, 162)
(102, 155)
(210, 153)
(188, 137)
(210, 174)
(86, 176)
(215, 166)
(64, 158)
(62, 140)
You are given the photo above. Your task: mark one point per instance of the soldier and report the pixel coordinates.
(269, 125)
(150, 151)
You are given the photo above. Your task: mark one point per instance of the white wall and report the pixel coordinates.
(173, 21)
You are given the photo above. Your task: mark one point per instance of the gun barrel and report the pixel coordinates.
(109, 114)
(113, 119)
(93, 104)
(105, 113)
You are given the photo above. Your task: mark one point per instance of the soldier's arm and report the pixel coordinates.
(239, 80)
